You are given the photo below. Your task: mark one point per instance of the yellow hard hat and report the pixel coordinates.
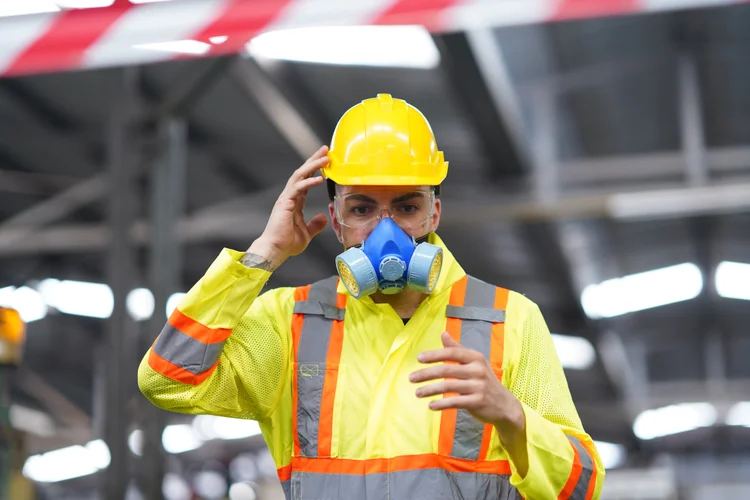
(384, 141)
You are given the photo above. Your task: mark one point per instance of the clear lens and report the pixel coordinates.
(410, 210)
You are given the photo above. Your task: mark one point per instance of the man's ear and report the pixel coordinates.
(335, 223)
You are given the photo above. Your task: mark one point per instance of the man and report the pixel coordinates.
(403, 378)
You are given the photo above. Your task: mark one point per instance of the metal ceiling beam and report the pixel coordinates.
(56, 403)
(691, 121)
(219, 225)
(180, 95)
(33, 183)
(293, 125)
(189, 86)
(50, 117)
(720, 160)
(278, 109)
(177, 98)
(474, 67)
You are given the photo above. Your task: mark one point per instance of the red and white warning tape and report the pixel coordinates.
(109, 36)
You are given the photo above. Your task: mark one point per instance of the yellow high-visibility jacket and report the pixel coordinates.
(328, 380)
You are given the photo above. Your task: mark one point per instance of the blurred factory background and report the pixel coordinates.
(600, 165)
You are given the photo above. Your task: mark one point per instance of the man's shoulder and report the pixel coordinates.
(515, 298)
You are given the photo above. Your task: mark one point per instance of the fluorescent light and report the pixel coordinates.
(575, 353)
(210, 485)
(135, 442)
(212, 427)
(242, 491)
(612, 454)
(739, 414)
(397, 46)
(28, 302)
(173, 301)
(193, 47)
(18, 8)
(180, 438)
(80, 298)
(84, 4)
(733, 280)
(674, 419)
(140, 304)
(31, 421)
(99, 452)
(175, 488)
(67, 463)
(642, 291)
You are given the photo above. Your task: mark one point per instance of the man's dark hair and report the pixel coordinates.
(332, 189)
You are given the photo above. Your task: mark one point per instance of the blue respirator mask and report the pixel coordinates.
(389, 260)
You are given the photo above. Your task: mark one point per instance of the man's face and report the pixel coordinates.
(357, 210)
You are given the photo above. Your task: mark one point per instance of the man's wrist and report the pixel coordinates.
(511, 430)
(513, 421)
(262, 255)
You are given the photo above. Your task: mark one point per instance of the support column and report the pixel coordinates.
(165, 266)
(114, 374)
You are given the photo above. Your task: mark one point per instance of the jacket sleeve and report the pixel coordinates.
(563, 462)
(222, 352)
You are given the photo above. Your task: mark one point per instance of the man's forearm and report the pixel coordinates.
(512, 433)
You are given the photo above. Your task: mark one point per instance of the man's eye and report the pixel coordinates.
(360, 210)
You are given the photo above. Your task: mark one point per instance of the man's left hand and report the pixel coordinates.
(473, 383)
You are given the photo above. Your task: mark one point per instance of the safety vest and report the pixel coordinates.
(458, 469)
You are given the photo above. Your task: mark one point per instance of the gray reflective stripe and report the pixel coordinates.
(476, 335)
(311, 359)
(476, 313)
(423, 484)
(186, 352)
(318, 309)
(286, 487)
(587, 470)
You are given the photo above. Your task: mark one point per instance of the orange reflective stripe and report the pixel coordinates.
(176, 373)
(285, 473)
(395, 464)
(575, 475)
(594, 472)
(333, 356)
(298, 320)
(196, 330)
(497, 349)
(300, 295)
(453, 327)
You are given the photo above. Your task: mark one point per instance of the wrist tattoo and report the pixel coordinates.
(254, 261)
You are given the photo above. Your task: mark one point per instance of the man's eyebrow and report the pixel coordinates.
(361, 197)
(398, 199)
(407, 197)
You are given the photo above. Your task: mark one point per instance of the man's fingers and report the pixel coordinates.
(316, 162)
(316, 225)
(455, 386)
(458, 354)
(464, 401)
(445, 371)
(300, 187)
(448, 341)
